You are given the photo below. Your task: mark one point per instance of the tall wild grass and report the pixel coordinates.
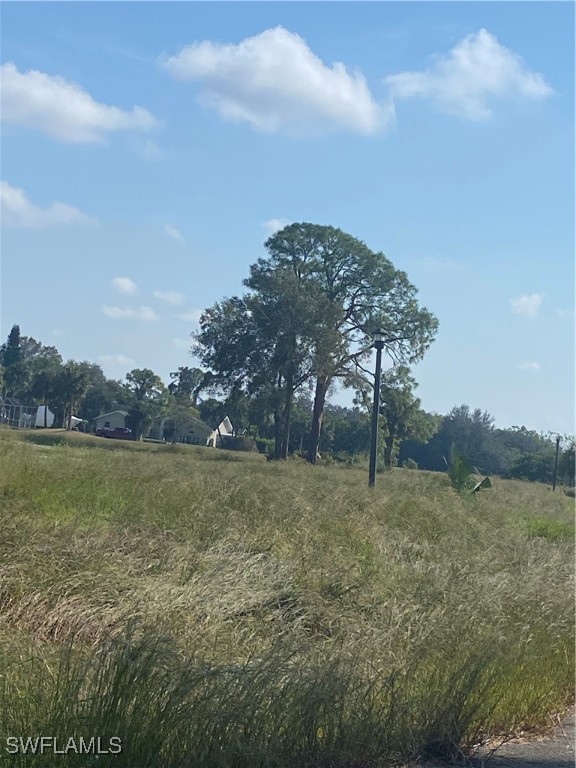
(238, 613)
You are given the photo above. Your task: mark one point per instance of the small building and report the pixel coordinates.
(222, 431)
(182, 428)
(44, 414)
(113, 419)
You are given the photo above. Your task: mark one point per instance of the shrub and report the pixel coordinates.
(264, 445)
(239, 443)
(410, 464)
(461, 472)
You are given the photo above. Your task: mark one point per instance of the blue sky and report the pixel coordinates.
(149, 149)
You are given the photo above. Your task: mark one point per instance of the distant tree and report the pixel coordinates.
(12, 362)
(104, 395)
(43, 389)
(70, 385)
(261, 344)
(566, 465)
(355, 291)
(31, 357)
(187, 384)
(472, 434)
(35, 350)
(537, 467)
(351, 432)
(144, 384)
(402, 416)
(212, 411)
(148, 397)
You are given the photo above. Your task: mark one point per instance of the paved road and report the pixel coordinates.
(555, 751)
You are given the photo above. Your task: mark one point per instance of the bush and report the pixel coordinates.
(461, 472)
(264, 445)
(536, 467)
(239, 443)
(410, 464)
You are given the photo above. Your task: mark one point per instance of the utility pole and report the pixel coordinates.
(379, 344)
(558, 438)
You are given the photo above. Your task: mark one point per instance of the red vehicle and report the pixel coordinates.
(116, 433)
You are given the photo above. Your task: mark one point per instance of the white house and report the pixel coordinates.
(113, 419)
(224, 429)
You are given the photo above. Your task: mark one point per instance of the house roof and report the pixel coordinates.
(8, 401)
(225, 427)
(102, 415)
(201, 425)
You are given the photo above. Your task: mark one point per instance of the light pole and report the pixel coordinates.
(558, 438)
(379, 345)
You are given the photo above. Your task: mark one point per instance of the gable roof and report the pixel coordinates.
(8, 401)
(102, 415)
(224, 428)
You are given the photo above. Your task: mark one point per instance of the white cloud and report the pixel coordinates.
(182, 343)
(18, 212)
(172, 297)
(477, 69)
(526, 305)
(274, 225)
(529, 367)
(142, 313)
(151, 151)
(145, 313)
(124, 285)
(117, 360)
(193, 316)
(173, 233)
(274, 82)
(117, 312)
(63, 109)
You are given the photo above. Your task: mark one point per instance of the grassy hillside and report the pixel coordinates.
(211, 609)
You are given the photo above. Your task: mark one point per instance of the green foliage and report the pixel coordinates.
(554, 530)
(354, 290)
(410, 464)
(68, 386)
(12, 362)
(148, 395)
(265, 446)
(314, 303)
(239, 443)
(533, 466)
(23, 358)
(566, 465)
(515, 452)
(400, 411)
(460, 472)
(145, 385)
(187, 383)
(103, 396)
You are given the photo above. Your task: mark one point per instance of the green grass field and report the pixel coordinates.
(215, 611)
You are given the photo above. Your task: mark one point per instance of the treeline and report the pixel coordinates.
(36, 374)
(515, 452)
(272, 356)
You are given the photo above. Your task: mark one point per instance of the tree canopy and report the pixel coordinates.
(314, 304)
